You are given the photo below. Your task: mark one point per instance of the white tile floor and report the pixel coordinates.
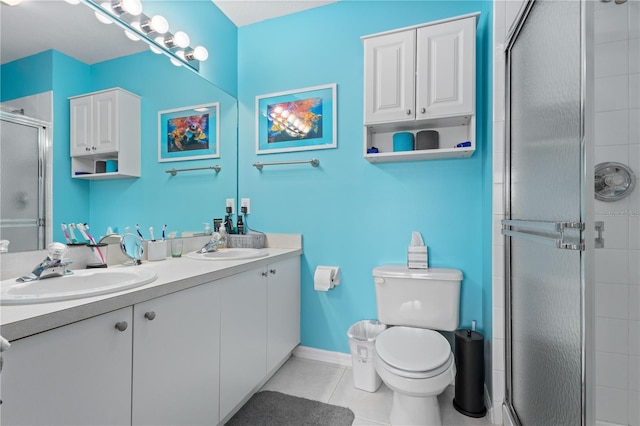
(333, 384)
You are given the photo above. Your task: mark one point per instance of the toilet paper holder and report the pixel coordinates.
(326, 277)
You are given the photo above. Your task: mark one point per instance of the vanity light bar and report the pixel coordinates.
(154, 31)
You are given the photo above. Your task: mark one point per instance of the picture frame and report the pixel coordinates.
(296, 120)
(189, 133)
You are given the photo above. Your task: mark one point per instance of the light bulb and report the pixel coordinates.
(158, 24)
(132, 7)
(72, 1)
(176, 62)
(155, 49)
(181, 39)
(199, 53)
(131, 35)
(102, 17)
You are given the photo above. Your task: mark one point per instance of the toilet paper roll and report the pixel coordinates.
(326, 277)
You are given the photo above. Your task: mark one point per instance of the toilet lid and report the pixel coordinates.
(413, 349)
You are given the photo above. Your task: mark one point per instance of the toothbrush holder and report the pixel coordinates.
(156, 250)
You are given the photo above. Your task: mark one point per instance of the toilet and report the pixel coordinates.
(412, 358)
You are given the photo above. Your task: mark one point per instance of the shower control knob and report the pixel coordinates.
(93, 148)
(87, 149)
(121, 325)
(151, 315)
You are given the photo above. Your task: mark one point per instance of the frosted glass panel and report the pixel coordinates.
(545, 173)
(545, 114)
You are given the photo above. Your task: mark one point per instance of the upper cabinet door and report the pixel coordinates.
(105, 125)
(389, 92)
(446, 69)
(81, 126)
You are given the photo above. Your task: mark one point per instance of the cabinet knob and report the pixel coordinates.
(87, 149)
(272, 271)
(264, 274)
(93, 148)
(423, 110)
(408, 112)
(151, 315)
(121, 325)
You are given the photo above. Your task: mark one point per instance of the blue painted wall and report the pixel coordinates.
(352, 213)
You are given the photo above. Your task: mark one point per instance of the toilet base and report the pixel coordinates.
(407, 410)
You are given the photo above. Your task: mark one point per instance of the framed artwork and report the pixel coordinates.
(189, 133)
(296, 120)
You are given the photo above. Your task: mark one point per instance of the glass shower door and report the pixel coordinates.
(21, 183)
(544, 225)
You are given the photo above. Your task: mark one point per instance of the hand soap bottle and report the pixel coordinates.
(222, 242)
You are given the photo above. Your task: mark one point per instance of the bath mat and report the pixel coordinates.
(269, 408)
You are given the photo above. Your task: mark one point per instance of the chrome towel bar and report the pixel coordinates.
(174, 172)
(549, 233)
(314, 163)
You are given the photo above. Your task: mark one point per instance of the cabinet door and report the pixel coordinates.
(446, 69)
(105, 122)
(243, 336)
(283, 310)
(81, 126)
(79, 374)
(176, 358)
(389, 80)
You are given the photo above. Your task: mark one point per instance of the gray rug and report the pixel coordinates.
(269, 408)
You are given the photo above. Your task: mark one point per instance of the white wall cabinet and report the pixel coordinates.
(105, 126)
(190, 357)
(421, 78)
(79, 374)
(176, 358)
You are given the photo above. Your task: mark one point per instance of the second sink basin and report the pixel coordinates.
(229, 254)
(82, 283)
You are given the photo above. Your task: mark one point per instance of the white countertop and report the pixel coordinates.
(173, 274)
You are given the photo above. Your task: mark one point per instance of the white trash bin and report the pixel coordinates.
(362, 337)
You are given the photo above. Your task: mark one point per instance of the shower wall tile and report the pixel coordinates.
(498, 167)
(498, 238)
(634, 55)
(634, 159)
(634, 127)
(634, 19)
(611, 128)
(498, 260)
(612, 301)
(634, 373)
(634, 91)
(612, 266)
(634, 303)
(498, 323)
(611, 93)
(612, 405)
(612, 335)
(498, 377)
(634, 267)
(634, 408)
(498, 138)
(634, 231)
(611, 59)
(498, 204)
(497, 354)
(498, 292)
(498, 105)
(611, 23)
(618, 153)
(615, 208)
(612, 370)
(634, 338)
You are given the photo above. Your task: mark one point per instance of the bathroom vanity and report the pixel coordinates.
(189, 348)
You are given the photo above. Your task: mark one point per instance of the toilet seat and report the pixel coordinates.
(413, 352)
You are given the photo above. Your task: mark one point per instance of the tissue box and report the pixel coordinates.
(417, 257)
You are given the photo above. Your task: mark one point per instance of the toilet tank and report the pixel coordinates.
(424, 298)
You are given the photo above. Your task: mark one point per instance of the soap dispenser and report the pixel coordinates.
(222, 242)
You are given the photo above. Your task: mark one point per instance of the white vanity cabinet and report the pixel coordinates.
(260, 316)
(421, 78)
(176, 358)
(79, 374)
(105, 126)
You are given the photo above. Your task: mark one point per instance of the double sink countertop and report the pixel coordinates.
(173, 274)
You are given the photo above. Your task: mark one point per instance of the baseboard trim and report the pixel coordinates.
(321, 355)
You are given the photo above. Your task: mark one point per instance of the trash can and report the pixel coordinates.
(469, 389)
(362, 337)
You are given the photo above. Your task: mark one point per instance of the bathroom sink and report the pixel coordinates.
(82, 283)
(229, 254)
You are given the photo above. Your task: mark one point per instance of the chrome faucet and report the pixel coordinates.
(211, 245)
(53, 266)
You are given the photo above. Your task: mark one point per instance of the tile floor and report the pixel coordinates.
(333, 384)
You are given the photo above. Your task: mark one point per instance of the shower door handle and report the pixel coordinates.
(549, 233)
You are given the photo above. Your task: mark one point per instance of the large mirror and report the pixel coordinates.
(53, 50)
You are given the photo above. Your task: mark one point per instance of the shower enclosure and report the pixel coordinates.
(572, 234)
(24, 147)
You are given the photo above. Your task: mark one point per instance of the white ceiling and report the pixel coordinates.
(245, 12)
(38, 25)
